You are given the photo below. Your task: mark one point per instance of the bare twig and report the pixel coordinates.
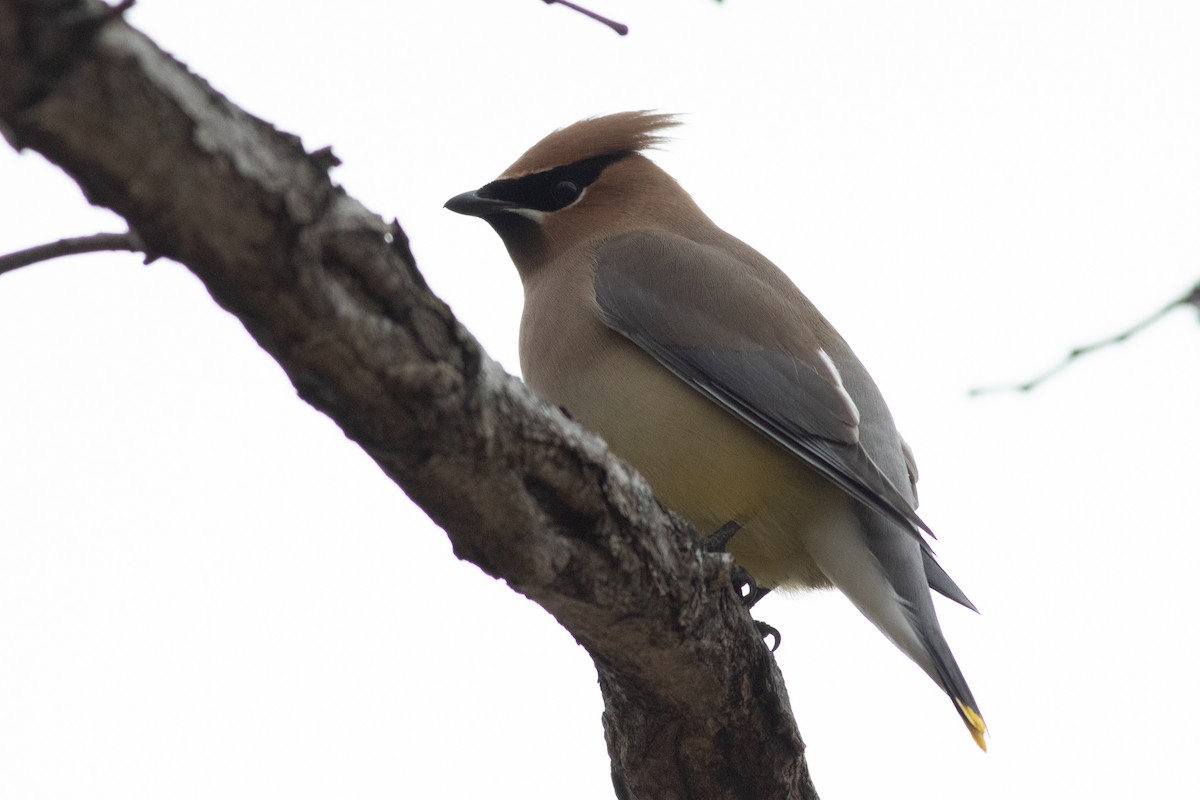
(96, 243)
(616, 26)
(1191, 297)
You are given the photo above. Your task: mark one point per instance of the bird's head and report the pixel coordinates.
(583, 181)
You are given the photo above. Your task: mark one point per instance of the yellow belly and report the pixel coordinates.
(704, 463)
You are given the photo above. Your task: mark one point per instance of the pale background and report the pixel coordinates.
(206, 591)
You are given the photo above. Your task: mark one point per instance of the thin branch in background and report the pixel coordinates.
(616, 26)
(1190, 298)
(96, 243)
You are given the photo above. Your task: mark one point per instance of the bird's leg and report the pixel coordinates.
(743, 582)
(718, 540)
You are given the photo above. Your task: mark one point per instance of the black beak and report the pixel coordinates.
(474, 205)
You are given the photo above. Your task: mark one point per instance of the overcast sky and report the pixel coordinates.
(207, 591)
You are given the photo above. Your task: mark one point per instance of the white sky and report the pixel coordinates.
(206, 591)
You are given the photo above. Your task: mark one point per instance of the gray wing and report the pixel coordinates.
(942, 583)
(939, 581)
(737, 340)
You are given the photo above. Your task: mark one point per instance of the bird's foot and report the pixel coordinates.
(743, 582)
(747, 588)
(765, 630)
(751, 593)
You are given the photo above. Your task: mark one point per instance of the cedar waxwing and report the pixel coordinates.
(704, 366)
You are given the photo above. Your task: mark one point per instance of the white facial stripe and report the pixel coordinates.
(582, 194)
(530, 213)
(540, 216)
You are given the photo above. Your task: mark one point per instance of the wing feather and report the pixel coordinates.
(734, 339)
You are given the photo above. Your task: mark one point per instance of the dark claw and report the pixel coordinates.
(743, 584)
(757, 593)
(746, 587)
(765, 630)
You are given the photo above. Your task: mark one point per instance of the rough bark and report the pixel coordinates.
(694, 704)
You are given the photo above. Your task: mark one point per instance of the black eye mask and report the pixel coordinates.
(553, 189)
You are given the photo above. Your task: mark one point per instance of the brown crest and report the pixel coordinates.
(624, 132)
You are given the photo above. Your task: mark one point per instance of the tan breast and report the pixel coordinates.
(701, 461)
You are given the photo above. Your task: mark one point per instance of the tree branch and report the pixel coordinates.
(96, 243)
(1191, 297)
(694, 703)
(620, 28)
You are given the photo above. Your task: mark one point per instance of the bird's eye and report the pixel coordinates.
(565, 193)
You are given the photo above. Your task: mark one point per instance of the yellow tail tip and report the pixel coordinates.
(975, 723)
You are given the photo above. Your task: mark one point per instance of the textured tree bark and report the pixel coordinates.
(695, 706)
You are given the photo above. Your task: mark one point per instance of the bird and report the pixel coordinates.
(705, 367)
